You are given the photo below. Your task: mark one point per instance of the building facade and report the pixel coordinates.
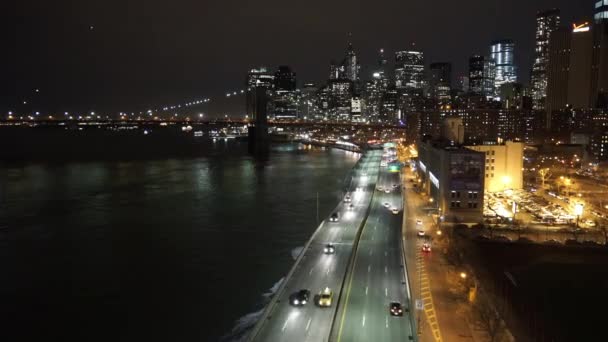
(453, 178)
(546, 23)
(503, 54)
(503, 165)
(482, 74)
(409, 69)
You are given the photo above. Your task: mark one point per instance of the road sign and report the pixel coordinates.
(419, 304)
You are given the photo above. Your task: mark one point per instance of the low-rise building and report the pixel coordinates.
(503, 165)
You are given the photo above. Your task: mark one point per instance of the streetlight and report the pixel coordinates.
(463, 275)
(578, 211)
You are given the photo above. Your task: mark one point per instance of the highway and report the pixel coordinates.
(314, 270)
(377, 277)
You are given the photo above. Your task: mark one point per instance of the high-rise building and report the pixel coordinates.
(601, 11)
(257, 77)
(351, 65)
(482, 74)
(546, 23)
(440, 81)
(409, 69)
(558, 72)
(285, 79)
(503, 54)
(580, 71)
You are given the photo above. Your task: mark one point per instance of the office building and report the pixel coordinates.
(351, 65)
(285, 79)
(257, 77)
(503, 54)
(558, 72)
(482, 74)
(440, 82)
(546, 23)
(601, 11)
(503, 165)
(453, 177)
(409, 69)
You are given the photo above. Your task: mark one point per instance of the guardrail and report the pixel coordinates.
(272, 305)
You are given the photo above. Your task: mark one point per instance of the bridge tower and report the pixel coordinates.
(259, 142)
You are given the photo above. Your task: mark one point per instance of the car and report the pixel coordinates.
(326, 297)
(388, 191)
(421, 233)
(426, 247)
(347, 199)
(395, 186)
(329, 248)
(387, 205)
(419, 222)
(359, 189)
(334, 217)
(396, 309)
(299, 298)
(351, 207)
(395, 211)
(590, 223)
(380, 188)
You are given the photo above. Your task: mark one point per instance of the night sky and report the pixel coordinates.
(132, 55)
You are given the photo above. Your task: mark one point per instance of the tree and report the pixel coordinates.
(487, 314)
(545, 174)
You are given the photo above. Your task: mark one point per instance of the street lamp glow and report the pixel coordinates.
(578, 209)
(463, 275)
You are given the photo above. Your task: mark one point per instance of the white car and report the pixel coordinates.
(387, 205)
(347, 199)
(395, 211)
(419, 222)
(590, 223)
(388, 191)
(421, 233)
(380, 188)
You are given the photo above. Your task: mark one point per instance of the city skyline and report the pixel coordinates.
(109, 62)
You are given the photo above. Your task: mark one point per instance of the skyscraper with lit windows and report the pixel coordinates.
(546, 23)
(409, 69)
(503, 54)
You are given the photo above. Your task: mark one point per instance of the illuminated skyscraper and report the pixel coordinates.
(546, 23)
(502, 52)
(409, 69)
(601, 11)
(284, 99)
(351, 65)
(482, 75)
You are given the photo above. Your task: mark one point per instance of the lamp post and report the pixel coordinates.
(578, 211)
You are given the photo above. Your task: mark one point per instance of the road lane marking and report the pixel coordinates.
(363, 323)
(285, 325)
(386, 292)
(310, 273)
(371, 251)
(366, 288)
(385, 269)
(385, 253)
(386, 320)
(308, 324)
(369, 268)
(327, 272)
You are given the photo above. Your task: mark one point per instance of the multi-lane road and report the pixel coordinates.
(377, 277)
(315, 270)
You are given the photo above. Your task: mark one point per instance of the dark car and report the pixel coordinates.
(329, 249)
(334, 217)
(299, 298)
(396, 309)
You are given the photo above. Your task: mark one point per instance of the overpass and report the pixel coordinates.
(366, 272)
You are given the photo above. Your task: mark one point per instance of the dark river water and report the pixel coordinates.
(162, 250)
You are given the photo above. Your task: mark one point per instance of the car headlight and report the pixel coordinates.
(296, 301)
(303, 302)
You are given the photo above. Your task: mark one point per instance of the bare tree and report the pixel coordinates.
(487, 314)
(545, 174)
